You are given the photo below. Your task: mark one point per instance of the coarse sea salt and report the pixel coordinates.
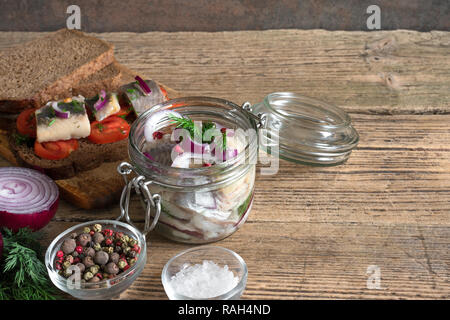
(202, 281)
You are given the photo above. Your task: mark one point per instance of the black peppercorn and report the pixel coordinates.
(114, 257)
(88, 262)
(81, 267)
(89, 252)
(101, 257)
(112, 268)
(84, 239)
(68, 246)
(98, 237)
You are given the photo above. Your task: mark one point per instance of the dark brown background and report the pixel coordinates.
(219, 15)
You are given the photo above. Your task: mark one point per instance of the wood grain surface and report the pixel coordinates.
(313, 232)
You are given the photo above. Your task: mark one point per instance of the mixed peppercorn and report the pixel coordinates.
(98, 253)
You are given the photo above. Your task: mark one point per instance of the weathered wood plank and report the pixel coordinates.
(369, 72)
(313, 232)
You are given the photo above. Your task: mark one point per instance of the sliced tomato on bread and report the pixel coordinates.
(26, 123)
(124, 111)
(55, 150)
(110, 130)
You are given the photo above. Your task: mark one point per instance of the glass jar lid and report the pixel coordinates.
(304, 130)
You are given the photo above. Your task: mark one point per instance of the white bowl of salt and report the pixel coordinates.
(205, 273)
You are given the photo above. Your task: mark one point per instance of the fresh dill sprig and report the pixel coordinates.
(24, 276)
(187, 124)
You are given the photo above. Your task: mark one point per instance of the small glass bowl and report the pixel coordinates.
(197, 255)
(105, 289)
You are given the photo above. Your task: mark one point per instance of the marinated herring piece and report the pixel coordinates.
(197, 217)
(109, 105)
(62, 121)
(139, 99)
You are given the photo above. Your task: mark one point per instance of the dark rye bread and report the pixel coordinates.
(108, 79)
(38, 71)
(88, 156)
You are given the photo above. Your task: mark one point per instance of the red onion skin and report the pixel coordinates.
(148, 155)
(191, 233)
(1, 246)
(100, 103)
(34, 221)
(62, 115)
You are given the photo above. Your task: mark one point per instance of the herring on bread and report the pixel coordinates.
(76, 134)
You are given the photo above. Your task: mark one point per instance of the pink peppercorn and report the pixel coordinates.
(157, 135)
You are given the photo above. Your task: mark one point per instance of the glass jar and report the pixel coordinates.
(206, 204)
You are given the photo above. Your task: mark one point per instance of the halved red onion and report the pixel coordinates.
(101, 102)
(60, 113)
(28, 198)
(183, 160)
(143, 85)
(153, 120)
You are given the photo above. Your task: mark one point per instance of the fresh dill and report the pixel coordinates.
(194, 130)
(24, 276)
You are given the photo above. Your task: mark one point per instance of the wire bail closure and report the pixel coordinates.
(260, 118)
(148, 201)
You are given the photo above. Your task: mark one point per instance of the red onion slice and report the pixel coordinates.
(148, 155)
(189, 145)
(143, 85)
(225, 155)
(28, 198)
(101, 102)
(60, 113)
(151, 124)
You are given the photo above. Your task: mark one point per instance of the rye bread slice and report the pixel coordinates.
(108, 79)
(40, 70)
(88, 156)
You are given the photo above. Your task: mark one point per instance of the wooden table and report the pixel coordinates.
(315, 232)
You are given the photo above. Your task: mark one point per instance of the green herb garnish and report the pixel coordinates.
(24, 276)
(132, 93)
(224, 140)
(187, 124)
(51, 122)
(77, 106)
(243, 207)
(21, 139)
(100, 126)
